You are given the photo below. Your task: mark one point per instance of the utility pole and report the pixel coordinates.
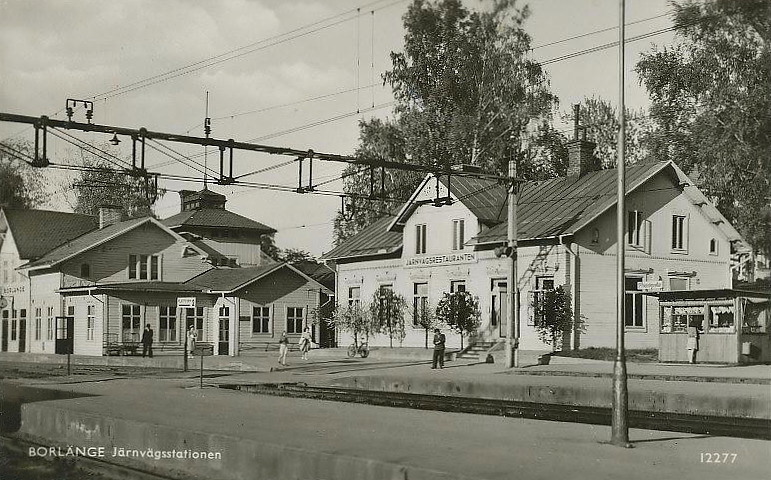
(620, 425)
(512, 289)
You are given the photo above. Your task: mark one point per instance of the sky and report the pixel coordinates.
(290, 73)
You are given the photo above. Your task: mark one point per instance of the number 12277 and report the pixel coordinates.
(718, 457)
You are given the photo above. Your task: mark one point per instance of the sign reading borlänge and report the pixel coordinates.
(439, 260)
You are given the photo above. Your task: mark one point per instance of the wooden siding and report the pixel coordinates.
(713, 348)
(83, 345)
(279, 291)
(44, 287)
(109, 262)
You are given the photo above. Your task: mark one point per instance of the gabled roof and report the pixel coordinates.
(229, 280)
(37, 232)
(546, 209)
(373, 240)
(95, 238)
(215, 218)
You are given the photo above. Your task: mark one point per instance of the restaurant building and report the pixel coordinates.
(444, 238)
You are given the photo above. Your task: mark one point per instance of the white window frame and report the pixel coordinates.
(454, 284)
(636, 296)
(421, 243)
(198, 320)
(458, 233)
(132, 319)
(50, 323)
(354, 300)
(294, 318)
(141, 268)
(167, 316)
(419, 302)
(716, 250)
(679, 277)
(262, 318)
(635, 235)
(38, 322)
(90, 321)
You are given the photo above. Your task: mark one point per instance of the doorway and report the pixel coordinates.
(23, 331)
(5, 331)
(498, 309)
(224, 331)
(65, 327)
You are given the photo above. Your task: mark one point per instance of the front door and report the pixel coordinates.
(65, 328)
(498, 310)
(224, 331)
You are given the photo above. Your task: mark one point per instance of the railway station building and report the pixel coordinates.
(94, 289)
(444, 239)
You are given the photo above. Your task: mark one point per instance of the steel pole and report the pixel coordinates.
(512, 314)
(620, 425)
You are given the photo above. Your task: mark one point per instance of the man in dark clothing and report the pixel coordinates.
(147, 341)
(438, 349)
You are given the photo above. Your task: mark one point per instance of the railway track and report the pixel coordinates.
(755, 428)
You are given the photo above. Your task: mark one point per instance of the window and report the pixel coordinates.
(224, 321)
(85, 270)
(420, 304)
(678, 283)
(168, 323)
(5, 271)
(130, 323)
(38, 322)
(634, 228)
(497, 301)
(90, 321)
(679, 231)
(354, 296)
(132, 266)
(633, 303)
(14, 324)
(194, 316)
(458, 234)
(420, 239)
(294, 319)
(50, 323)
(677, 319)
(457, 286)
(144, 267)
(721, 319)
(543, 287)
(713, 246)
(260, 319)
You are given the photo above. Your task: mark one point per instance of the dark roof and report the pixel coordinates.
(86, 241)
(374, 239)
(229, 279)
(214, 218)
(317, 271)
(562, 206)
(37, 232)
(559, 206)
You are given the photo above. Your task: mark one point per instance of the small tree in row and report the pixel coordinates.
(460, 311)
(553, 315)
(387, 312)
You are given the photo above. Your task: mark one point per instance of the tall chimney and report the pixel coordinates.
(109, 215)
(581, 157)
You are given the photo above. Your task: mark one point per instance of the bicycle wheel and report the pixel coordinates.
(352, 351)
(364, 351)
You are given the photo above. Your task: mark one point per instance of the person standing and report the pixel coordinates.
(192, 336)
(147, 341)
(283, 348)
(693, 342)
(305, 342)
(439, 341)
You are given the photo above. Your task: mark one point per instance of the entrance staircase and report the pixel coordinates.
(476, 350)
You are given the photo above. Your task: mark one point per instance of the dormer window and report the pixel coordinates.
(85, 270)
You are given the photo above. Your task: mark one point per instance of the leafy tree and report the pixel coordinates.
(103, 184)
(22, 185)
(268, 245)
(425, 317)
(460, 311)
(294, 255)
(465, 91)
(600, 119)
(552, 315)
(353, 319)
(710, 98)
(387, 311)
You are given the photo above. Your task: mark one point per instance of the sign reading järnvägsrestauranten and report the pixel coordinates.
(439, 260)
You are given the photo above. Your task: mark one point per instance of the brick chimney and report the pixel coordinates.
(109, 215)
(581, 157)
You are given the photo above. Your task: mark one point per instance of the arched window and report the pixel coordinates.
(85, 270)
(713, 246)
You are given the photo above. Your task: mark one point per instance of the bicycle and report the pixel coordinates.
(362, 349)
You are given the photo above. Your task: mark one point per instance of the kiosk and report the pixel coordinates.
(733, 325)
